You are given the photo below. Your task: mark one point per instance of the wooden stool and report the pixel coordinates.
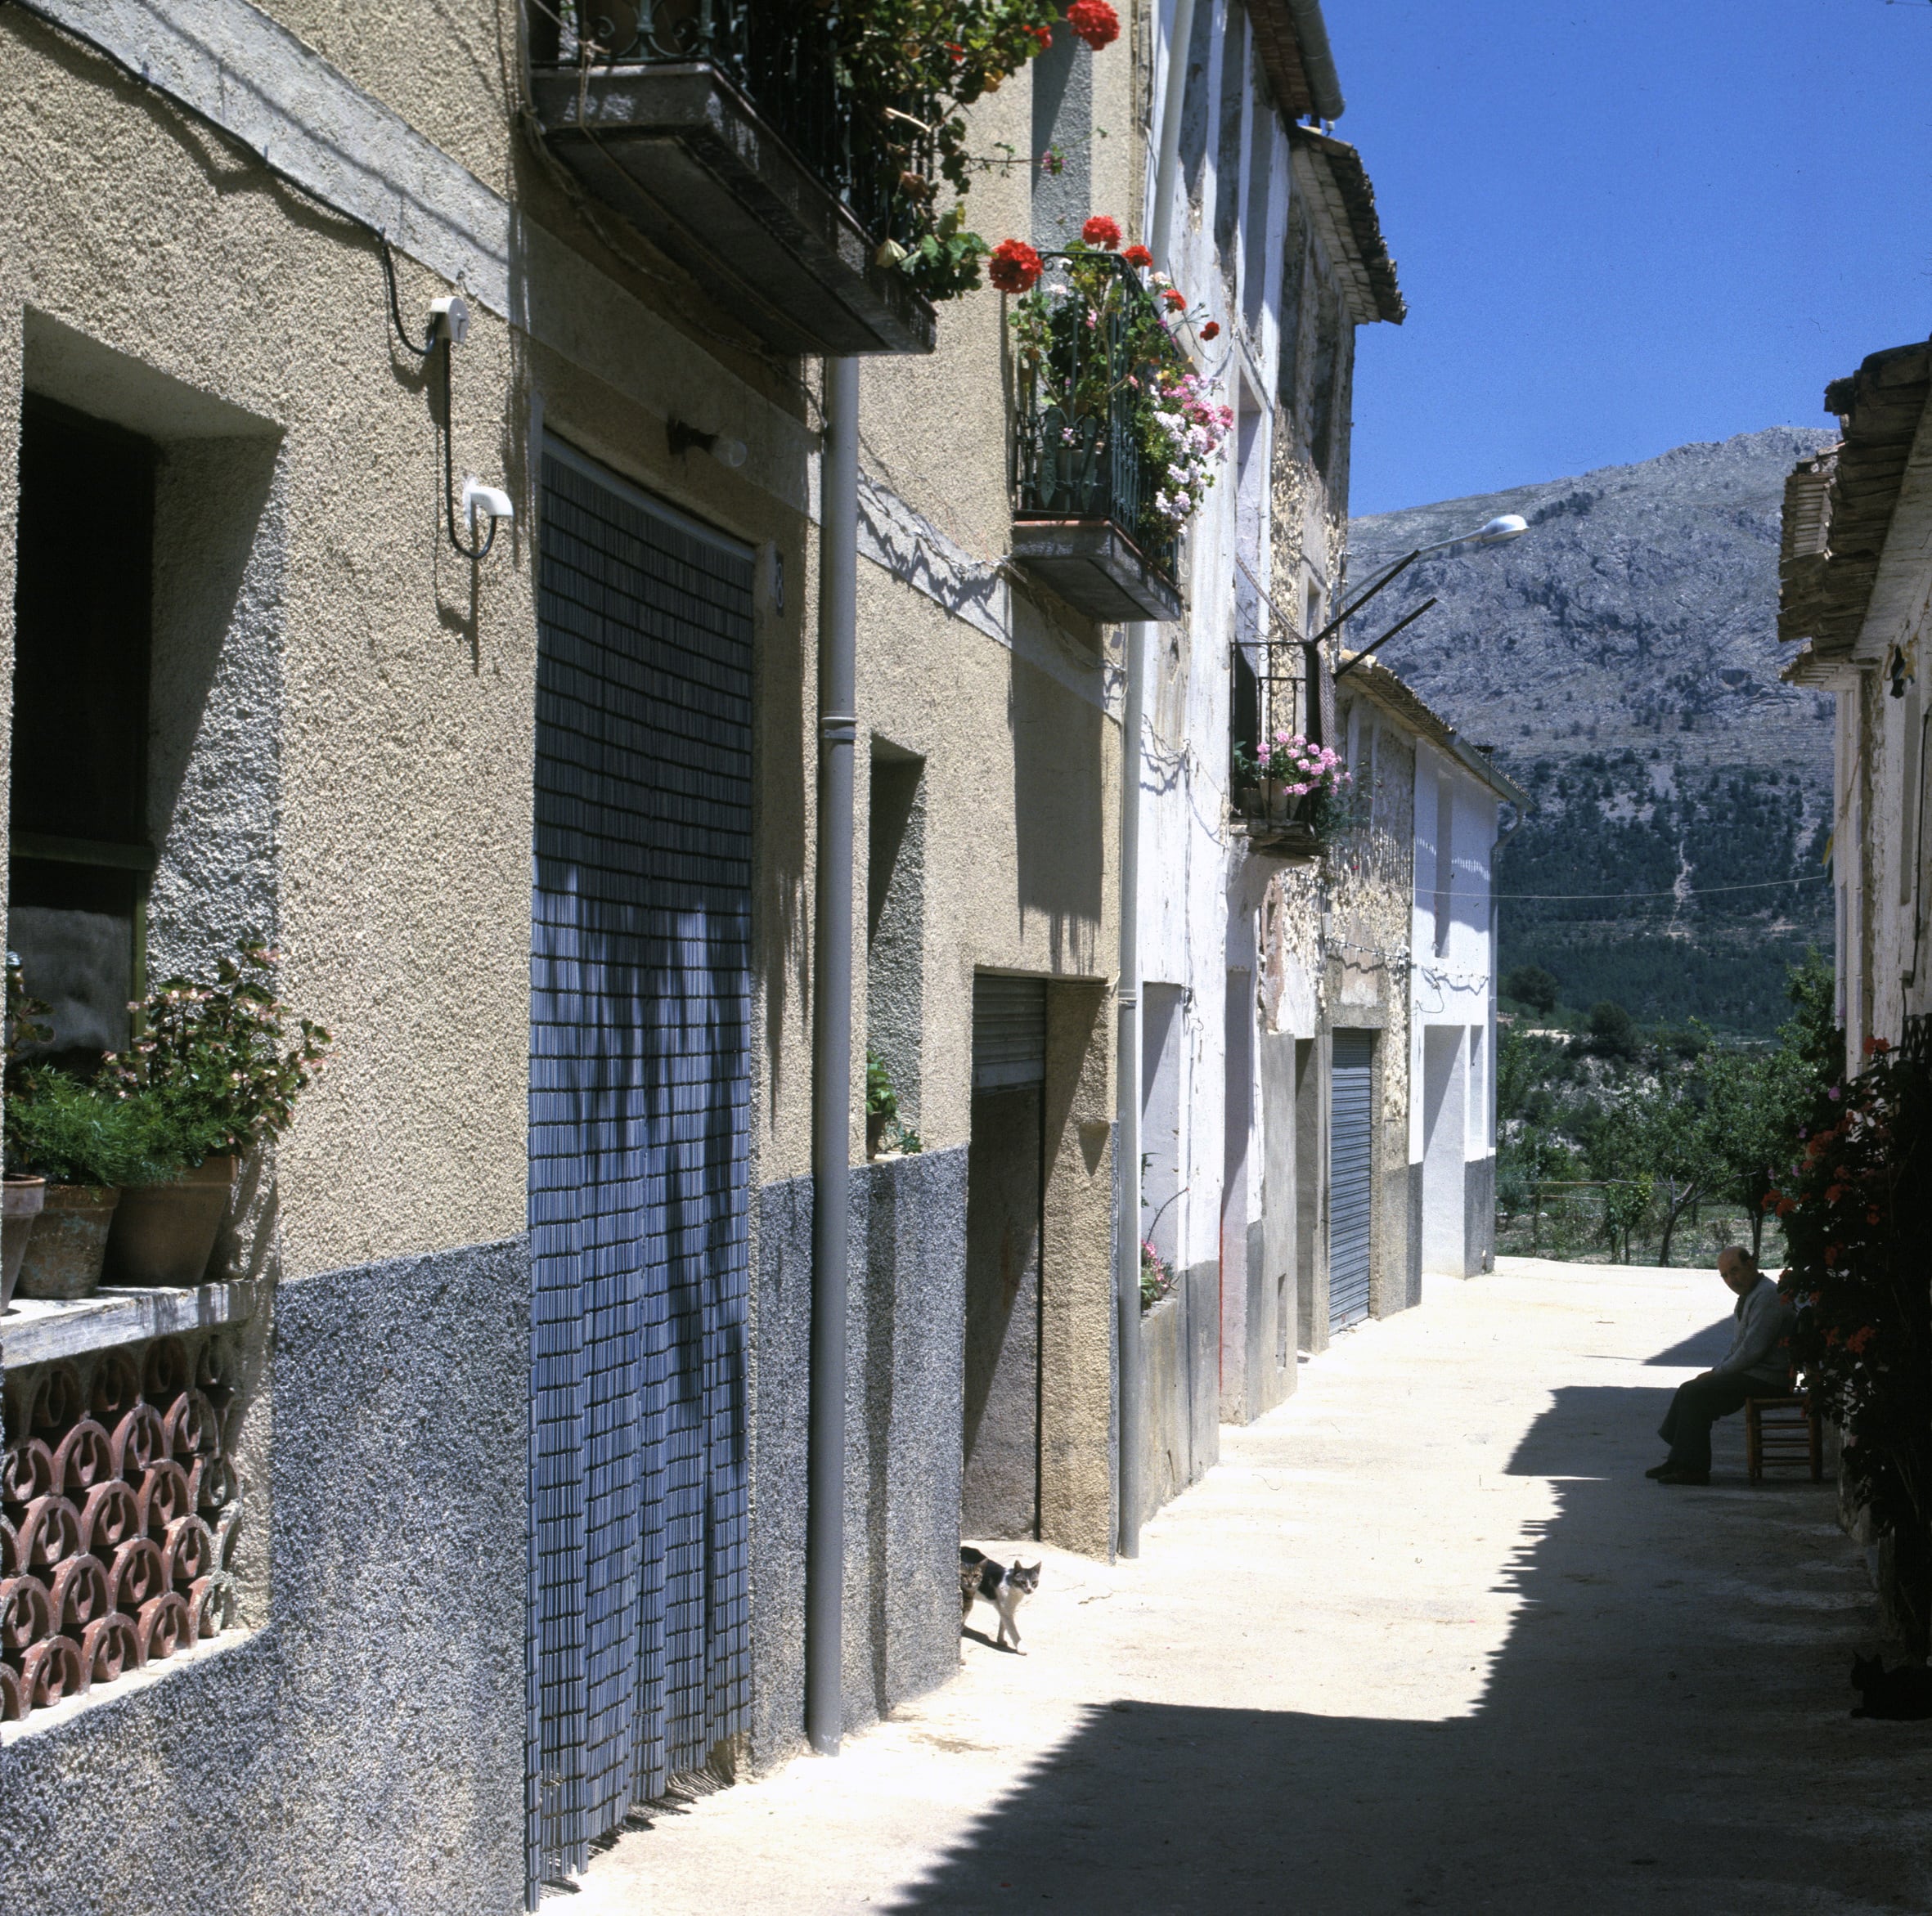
(1782, 1433)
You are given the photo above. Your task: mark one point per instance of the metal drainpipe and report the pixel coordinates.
(832, 1061)
(1133, 1366)
(1137, 641)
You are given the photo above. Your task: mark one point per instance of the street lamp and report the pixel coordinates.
(1497, 532)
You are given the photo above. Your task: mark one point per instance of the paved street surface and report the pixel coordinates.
(1427, 1640)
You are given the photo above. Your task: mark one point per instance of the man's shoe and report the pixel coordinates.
(1660, 1469)
(1682, 1476)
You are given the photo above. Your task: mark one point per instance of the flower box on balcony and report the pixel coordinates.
(726, 139)
(1102, 390)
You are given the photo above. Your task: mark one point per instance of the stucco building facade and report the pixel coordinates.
(748, 751)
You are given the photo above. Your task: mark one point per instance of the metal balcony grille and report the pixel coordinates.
(1077, 450)
(783, 60)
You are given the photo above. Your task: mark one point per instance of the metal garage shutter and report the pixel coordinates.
(640, 1108)
(1008, 1032)
(1350, 1183)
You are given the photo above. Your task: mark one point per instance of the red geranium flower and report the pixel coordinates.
(1043, 35)
(1138, 256)
(1095, 22)
(1015, 267)
(1177, 301)
(1102, 232)
(1212, 330)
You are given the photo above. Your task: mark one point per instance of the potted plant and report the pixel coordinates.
(85, 1141)
(1292, 779)
(218, 1074)
(21, 1195)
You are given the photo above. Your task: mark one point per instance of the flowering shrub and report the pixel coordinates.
(1182, 429)
(943, 55)
(219, 1056)
(1095, 22)
(1016, 267)
(1856, 1218)
(1157, 1280)
(1102, 359)
(1298, 763)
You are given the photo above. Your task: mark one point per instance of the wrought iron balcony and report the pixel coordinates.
(1088, 518)
(719, 128)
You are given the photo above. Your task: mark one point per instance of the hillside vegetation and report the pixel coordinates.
(1622, 658)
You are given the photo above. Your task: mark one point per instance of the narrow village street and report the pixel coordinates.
(1426, 1640)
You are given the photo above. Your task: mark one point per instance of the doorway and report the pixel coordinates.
(640, 1110)
(1351, 1176)
(1005, 1184)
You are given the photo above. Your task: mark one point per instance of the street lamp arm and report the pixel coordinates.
(1368, 650)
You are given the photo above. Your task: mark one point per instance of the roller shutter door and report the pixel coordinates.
(1350, 1181)
(640, 1109)
(1008, 1032)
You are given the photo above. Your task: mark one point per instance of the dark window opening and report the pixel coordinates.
(1247, 715)
(79, 855)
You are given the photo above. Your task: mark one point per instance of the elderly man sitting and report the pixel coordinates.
(1755, 1366)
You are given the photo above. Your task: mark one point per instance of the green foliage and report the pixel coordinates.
(1857, 1212)
(70, 1133)
(217, 1056)
(1604, 824)
(944, 262)
(936, 57)
(1613, 1033)
(1531, 986)
(881, 1100)
(1157, 1280)
(1668, 1124)
(24, 1013)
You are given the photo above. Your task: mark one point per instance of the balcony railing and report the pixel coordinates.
(720, 129)
(1088, 516)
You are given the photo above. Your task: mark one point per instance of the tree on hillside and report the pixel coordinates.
(1612, 1033)
(1530, 984)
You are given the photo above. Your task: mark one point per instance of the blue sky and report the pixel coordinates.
(1627, 225)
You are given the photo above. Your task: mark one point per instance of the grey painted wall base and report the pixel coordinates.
(903, 1421)
(362, 1751)
(1181, 1336)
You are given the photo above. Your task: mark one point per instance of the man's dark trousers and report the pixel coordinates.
(1697, 1406)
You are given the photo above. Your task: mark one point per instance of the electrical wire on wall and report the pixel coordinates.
(449, 322)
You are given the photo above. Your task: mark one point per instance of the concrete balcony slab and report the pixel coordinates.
(690, 163)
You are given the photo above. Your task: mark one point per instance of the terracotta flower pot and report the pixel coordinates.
(164, 1234)
(23, 1198)
(69, 1241)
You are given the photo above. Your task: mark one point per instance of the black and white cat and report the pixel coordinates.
(1903, 1695)
(1001, 1585)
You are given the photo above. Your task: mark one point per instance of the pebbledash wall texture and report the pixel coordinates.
(360, 1748)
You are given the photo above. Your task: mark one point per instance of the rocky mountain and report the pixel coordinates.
(1622, 658)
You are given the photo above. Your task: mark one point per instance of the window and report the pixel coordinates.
(79, 854)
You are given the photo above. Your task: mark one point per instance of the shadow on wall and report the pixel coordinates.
(1665, 1729)
(1058, 778)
